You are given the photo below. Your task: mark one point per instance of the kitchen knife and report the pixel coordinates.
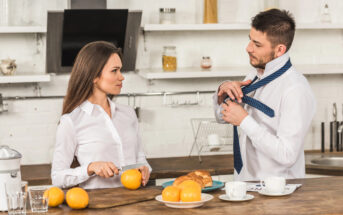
(132, 166)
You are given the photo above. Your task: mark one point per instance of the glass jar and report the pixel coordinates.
(169, 62)
(167, 15)
(206, 63)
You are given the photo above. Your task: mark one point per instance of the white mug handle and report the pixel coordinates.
(262, 184)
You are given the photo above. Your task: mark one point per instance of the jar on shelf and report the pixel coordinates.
(167, 15)
(169, 59)
(206, 63)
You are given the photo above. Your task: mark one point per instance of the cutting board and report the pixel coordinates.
(112, 197)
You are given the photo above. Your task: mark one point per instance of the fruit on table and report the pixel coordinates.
(55, 196)
(190, 194)
(171, 194)
(77, 198)
(189, 183)
(131, 179)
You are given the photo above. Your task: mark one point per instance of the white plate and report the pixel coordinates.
(204, 198)
(226, 198)
(288, 190)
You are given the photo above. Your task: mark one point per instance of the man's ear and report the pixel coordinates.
(280, 49)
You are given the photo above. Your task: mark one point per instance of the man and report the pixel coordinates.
(272, 135)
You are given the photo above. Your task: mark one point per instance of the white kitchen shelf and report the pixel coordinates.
(22, 29)
(234, 71)
(24, 79)
(233, 26)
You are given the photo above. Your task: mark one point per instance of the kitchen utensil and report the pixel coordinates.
(112, 197)
(333, 129)
(322, 125)
(132, 166)
(9, 171)
(137, 109)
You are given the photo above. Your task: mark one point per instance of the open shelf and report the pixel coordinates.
(233, 26)
(232, 71)
(24, 79)
(22, 29)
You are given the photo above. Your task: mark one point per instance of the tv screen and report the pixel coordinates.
(83, 26)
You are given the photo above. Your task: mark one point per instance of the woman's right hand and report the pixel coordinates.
(102, 169)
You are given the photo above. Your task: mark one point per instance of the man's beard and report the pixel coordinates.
(262, 64)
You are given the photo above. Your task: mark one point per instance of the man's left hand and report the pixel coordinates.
(233, 113)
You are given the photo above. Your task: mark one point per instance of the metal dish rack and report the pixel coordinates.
(203, 127)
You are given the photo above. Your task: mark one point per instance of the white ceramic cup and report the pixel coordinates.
(274, 184)
(236, 190)
(213, 140)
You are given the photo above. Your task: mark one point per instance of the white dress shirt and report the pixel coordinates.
(275, 146)
(90, 134)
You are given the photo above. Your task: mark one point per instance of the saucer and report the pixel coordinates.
(226, 198)
(288, 190)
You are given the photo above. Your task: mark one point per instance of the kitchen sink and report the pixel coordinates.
(328, 161)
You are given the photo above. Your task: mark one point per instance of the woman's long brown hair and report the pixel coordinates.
(88, 65)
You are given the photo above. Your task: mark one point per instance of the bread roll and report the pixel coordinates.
(206, 177)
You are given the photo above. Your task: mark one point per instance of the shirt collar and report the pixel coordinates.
(88, 107)
(274, 65)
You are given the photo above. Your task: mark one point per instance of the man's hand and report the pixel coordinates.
(233, 113)
(232, 89)
(102, 169)
(145, 174)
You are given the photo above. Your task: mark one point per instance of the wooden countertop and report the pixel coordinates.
(176, 166)
(316, 196)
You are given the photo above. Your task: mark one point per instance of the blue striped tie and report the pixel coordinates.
(238, 163)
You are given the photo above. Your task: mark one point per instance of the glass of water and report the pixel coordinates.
(16, 194)
(38, 201)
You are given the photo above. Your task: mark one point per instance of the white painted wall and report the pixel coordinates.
(30, 125)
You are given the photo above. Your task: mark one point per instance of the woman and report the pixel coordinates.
(101, 134)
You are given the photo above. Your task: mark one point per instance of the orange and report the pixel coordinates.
(77, 198)
(189, 183)
(190, 194)
(55, 196)
(171, 194)
(131, 179)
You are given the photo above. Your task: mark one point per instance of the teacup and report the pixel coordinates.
(236, 190)
(274, 184)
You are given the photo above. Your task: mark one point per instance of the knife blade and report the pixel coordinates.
(132, 166)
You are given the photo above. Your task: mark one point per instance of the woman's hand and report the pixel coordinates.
(102, 169)
(145, 174)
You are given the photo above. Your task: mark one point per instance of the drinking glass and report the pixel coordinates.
(16, 194)
(38, 201)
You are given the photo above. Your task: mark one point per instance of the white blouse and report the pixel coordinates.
(90, 134)
(275, 146)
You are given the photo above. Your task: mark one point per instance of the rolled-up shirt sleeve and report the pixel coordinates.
(298, 108)
(61, 173)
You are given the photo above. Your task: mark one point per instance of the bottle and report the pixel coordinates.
(210, 11)
(167, 15)
(326, 17)
(206, 63)
(169, 59)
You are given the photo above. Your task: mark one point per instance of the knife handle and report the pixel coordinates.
(323, 136)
